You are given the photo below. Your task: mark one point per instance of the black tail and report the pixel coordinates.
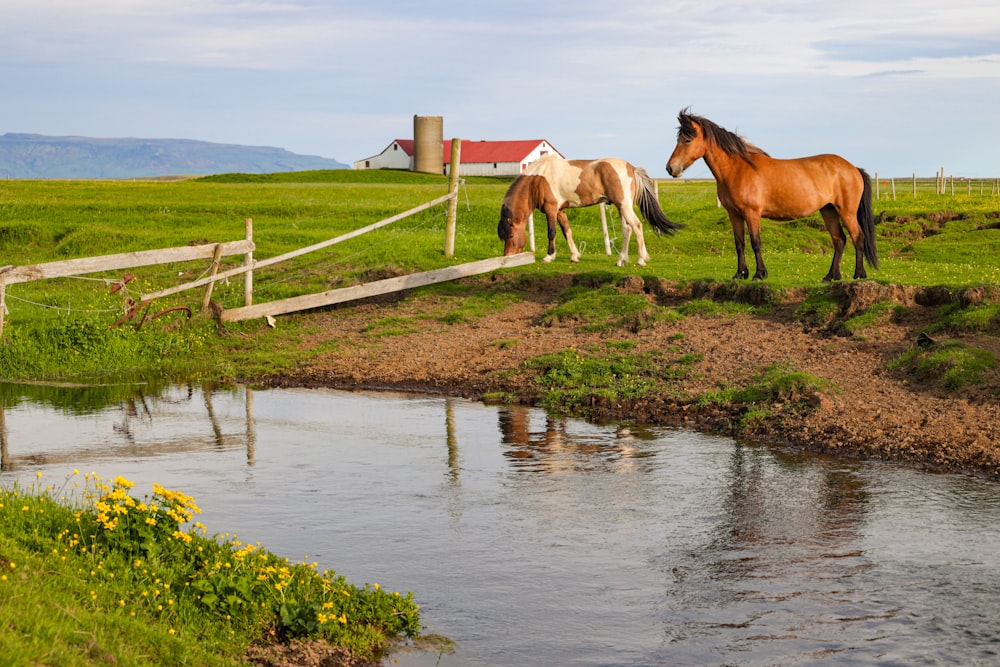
(649, 204)
(866, 219)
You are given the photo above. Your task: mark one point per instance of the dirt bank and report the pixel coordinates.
(867, 411)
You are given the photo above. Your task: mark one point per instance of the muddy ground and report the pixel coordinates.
(865, 411)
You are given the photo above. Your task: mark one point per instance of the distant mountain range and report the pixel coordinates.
(39, 156)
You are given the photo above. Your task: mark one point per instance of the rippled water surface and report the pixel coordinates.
(538, 541)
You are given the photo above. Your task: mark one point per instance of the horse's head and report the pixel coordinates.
(511, 231)
(697, 136)
(690, 143)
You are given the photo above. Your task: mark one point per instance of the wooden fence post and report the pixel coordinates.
(449, 230)
(3, 295)
(216, 258)
(248, 262)
(604, 229)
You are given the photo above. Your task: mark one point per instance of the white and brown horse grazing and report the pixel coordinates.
(752, 185)
(553, 184)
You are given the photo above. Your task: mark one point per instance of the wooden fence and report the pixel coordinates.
(215, 251)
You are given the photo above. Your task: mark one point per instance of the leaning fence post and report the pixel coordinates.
(216, 257)
(449, 231)
(248, 276)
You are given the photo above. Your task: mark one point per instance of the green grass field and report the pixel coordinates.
(60, 327)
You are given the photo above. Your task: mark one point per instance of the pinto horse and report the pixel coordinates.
(553, 184)
(752, 185)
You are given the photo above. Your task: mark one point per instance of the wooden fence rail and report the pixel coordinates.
(295, 253)
(77, 267)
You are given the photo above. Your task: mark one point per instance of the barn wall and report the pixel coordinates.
(393, 157)
(488, 169)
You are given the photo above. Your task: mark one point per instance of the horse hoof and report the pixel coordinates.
(548, 258)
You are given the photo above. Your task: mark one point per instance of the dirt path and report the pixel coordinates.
(869, 411)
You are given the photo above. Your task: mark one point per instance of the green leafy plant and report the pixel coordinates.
(144, 559)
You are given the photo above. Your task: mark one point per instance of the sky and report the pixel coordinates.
(895, 87)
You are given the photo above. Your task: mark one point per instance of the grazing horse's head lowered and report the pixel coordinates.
(554, 184)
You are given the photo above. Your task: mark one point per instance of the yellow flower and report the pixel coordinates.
(343, 618)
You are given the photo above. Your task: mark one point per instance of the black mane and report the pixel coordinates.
(729, 142)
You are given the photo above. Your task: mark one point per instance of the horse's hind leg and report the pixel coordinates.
(857, 239)
(631, 224)
(832, 220)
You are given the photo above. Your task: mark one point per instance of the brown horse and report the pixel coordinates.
(553, 184)
(752, 185)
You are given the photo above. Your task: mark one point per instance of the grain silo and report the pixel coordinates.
(428, 144)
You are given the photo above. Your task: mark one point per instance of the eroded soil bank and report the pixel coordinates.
(865, 410)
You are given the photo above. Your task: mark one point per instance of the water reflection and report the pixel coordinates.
(562, 444)
(532, 539)
(143, 421)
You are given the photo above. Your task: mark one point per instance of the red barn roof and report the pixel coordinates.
(483, 151)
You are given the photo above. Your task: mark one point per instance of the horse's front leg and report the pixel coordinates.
(574, 254)
(551, 216)
(739, 238)
(754, 224)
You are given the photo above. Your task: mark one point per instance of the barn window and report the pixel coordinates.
(494, 165)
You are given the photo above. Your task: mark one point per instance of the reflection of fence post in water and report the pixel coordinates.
(251, 434)
(207, 395)
(449, 423)
(4, 462)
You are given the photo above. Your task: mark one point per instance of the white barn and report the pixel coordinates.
(478, 158)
